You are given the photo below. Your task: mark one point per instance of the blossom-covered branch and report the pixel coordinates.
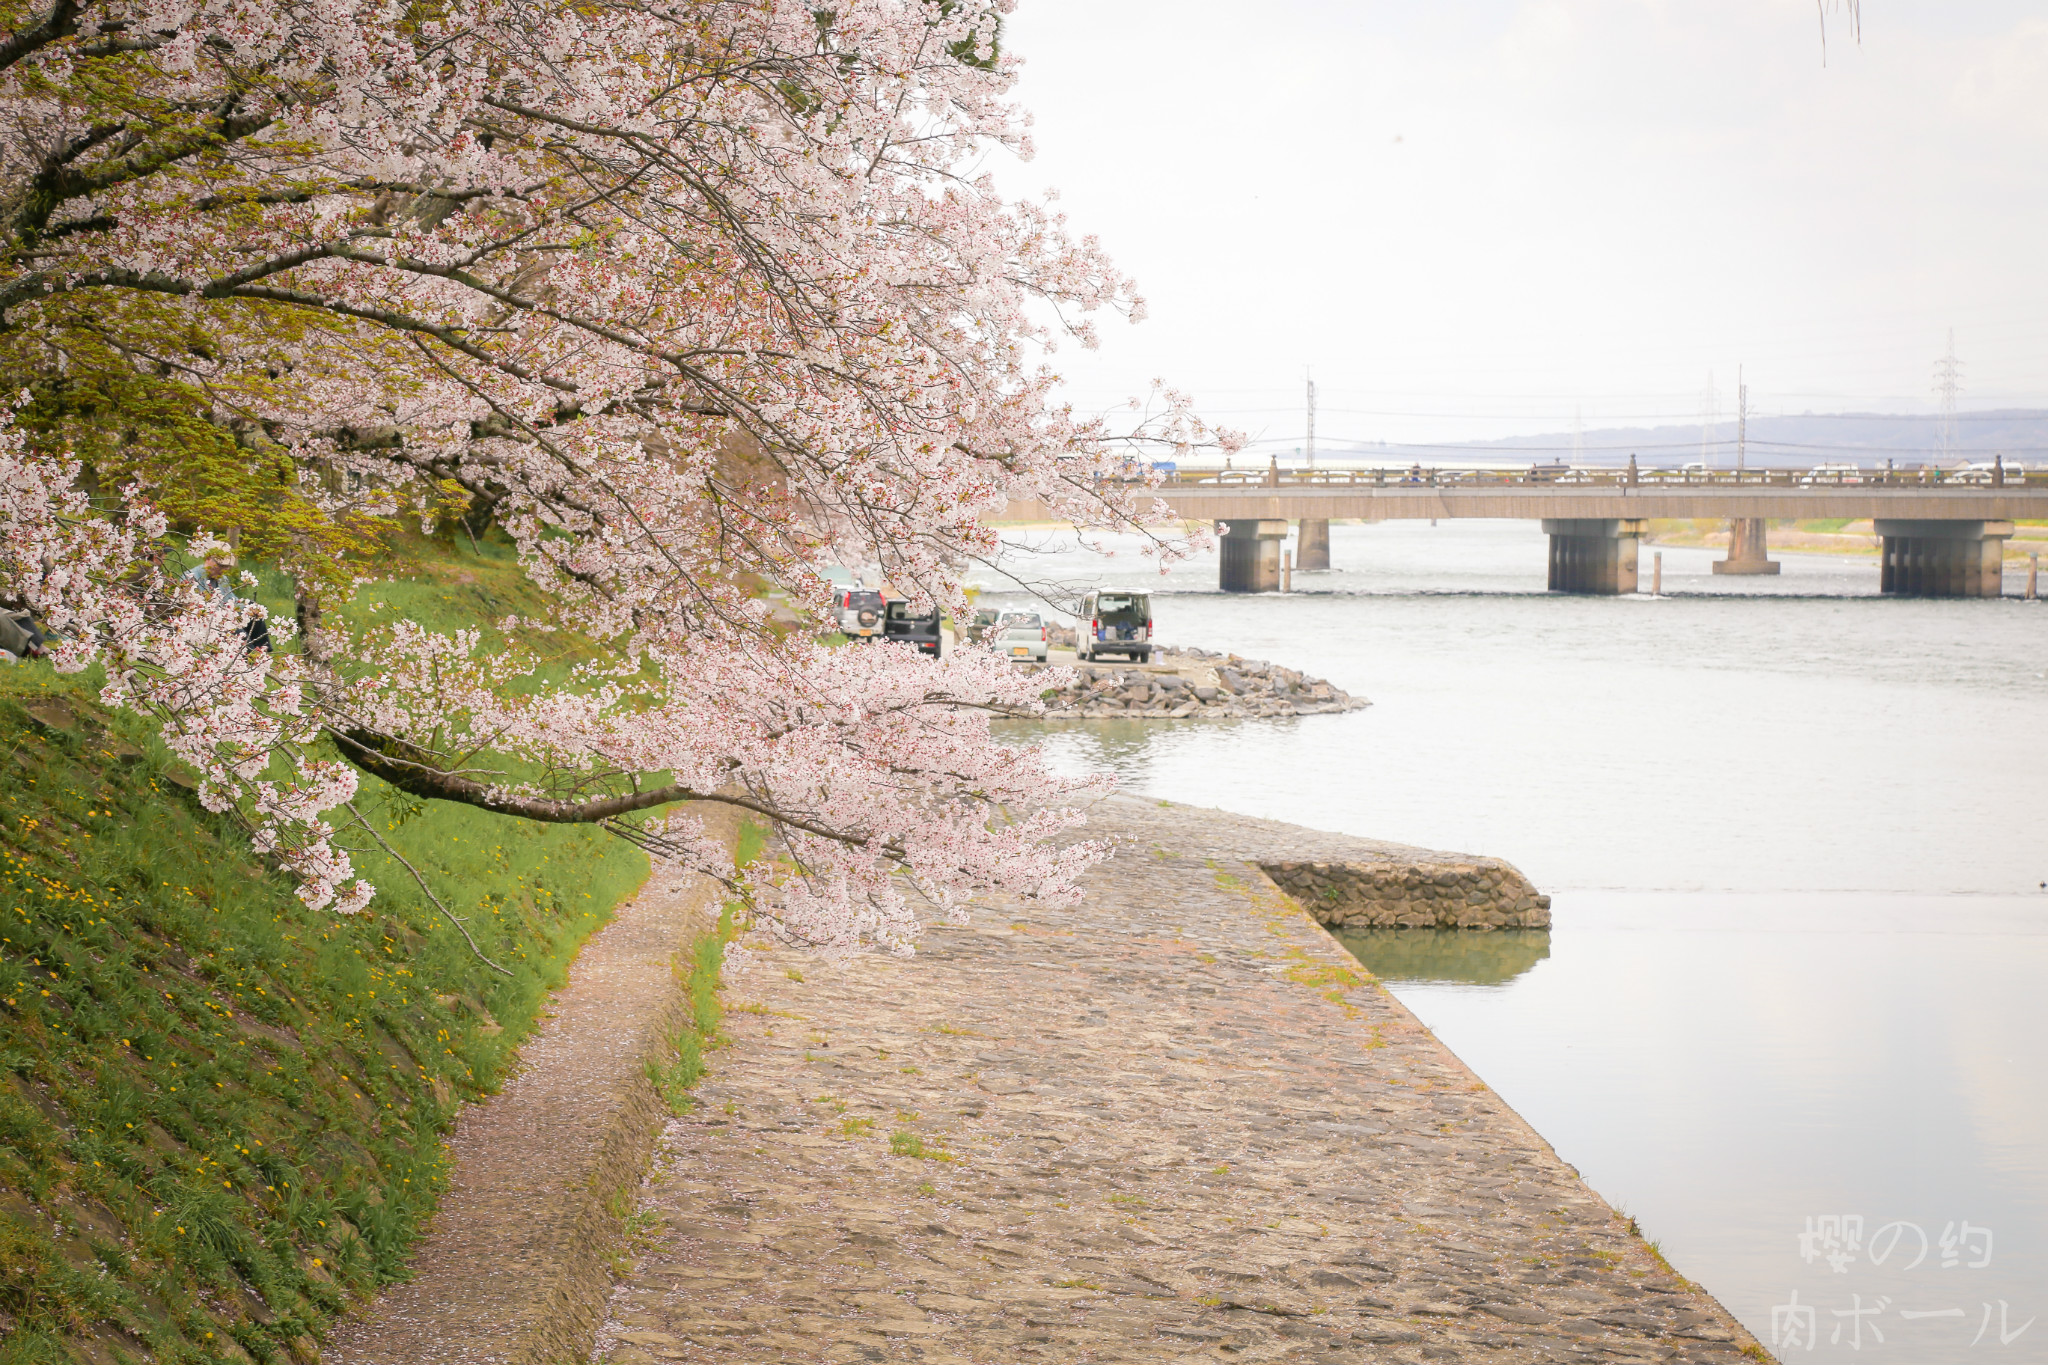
(688, 299)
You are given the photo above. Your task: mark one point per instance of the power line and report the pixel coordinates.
(1355, 445)
(1669, 418)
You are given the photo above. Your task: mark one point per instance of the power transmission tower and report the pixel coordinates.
(1948, 376)
(1710, 422)
(1311, 448)
(1741, 421)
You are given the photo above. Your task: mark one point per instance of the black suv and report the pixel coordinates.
(899, 624)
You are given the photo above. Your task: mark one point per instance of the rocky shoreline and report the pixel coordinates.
(1193, 684)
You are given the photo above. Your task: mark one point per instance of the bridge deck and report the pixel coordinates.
(1374, 495)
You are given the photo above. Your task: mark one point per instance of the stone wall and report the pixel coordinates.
(1195, 684)
(1479, 893)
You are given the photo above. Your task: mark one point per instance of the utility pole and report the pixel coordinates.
(1741, 421)
(1311, 448)
(1948, 376)
(1710, 422)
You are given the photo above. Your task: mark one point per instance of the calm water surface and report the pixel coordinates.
(1791, 1014)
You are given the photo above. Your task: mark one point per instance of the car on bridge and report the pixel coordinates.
(1988, 472)
(1833, 473)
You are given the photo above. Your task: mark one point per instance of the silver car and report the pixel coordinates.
(860, 614)
(1020, 635)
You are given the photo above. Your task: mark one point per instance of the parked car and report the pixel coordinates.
(1118, 622)
(901, 622)
(1021, 635)
(1138, 471)
(1985, 471)
(860, 613)
(980, 624)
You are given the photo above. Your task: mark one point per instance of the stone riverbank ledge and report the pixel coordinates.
(1174, 1123)
(1351, 883)
(1193, 684)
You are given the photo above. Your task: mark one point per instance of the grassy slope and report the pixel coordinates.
(219, 1110)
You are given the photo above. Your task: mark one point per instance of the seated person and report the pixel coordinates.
(211, 574)
(19, 636)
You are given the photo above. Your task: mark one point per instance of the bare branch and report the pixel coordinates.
(425, 890)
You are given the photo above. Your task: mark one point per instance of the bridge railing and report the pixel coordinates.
(1411, 476)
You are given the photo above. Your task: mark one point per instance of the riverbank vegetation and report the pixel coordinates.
(220, 1110)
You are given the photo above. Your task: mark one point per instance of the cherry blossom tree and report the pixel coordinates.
(689, 298)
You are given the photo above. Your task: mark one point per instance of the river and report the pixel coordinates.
(1791, 1013)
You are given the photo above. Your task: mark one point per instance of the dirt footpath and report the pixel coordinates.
(1175, 1122)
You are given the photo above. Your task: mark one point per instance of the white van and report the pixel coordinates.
(1986, 471)
(1114, 621)
(1833, 473)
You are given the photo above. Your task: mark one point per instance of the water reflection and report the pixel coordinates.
(1447, 955)
(1135, 750)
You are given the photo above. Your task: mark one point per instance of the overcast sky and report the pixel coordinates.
(1476, 217)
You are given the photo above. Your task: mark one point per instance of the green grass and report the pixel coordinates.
(445, 586)
(221, 1112)
(909, 1142)
(698, 972)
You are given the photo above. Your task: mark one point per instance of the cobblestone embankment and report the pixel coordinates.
(1195, 684)
(1173, 1123)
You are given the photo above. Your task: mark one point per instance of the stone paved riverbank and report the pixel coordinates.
(1175, 1122)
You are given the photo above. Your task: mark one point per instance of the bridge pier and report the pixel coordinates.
(1250, 551)
(1749, 549)
(1312, 544)
(1943, 558)
(1592, 554)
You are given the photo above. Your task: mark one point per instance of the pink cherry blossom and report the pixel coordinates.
(690, 300)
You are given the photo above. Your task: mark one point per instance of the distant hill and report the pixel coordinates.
(1865, 438)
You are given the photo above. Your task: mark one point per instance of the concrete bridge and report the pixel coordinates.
(1943, 532)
